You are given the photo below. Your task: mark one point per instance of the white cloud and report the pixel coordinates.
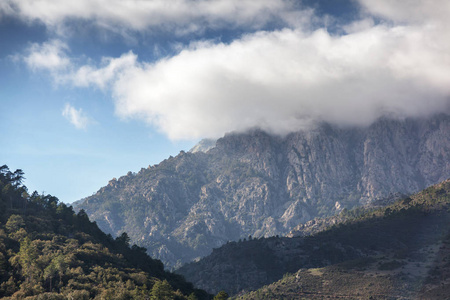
(76, 116)
(48, 56)
(88, 75)
(5, 9)
(51, 56)
(408, 10)
(286, 80)
(176, 15)
(283, 81)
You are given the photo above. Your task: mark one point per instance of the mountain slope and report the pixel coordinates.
(263, 185)
(398, 250)
(49, 252)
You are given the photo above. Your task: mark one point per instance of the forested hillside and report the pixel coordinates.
(401, 250)
(259, 184)
(49, 252)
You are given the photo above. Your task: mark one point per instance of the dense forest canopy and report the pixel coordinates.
(49, 252)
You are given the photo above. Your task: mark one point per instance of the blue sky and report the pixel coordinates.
(92, 89)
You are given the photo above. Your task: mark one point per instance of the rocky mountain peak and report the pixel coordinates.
(262, 185)
(203, 146)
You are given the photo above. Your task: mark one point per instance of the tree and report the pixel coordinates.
(18, 177)
(28, 255)
(5, 175)
(162, 291)
(50, 272)
(14, 223)
(61, 266)
(8, 193)
(124, 239)
(192, 297)
(222, 295)
(82, 215)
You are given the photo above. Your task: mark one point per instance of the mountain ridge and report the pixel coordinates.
(263, 185)
(388, 242)
(49, 252)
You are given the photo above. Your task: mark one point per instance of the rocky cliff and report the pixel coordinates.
(263, 185)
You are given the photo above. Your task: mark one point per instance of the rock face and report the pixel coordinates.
(263, 185)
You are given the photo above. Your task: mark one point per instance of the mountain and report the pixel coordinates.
(49, 252)
(264, 185)
(396, 252)
(203, 146)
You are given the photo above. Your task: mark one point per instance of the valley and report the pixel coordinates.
(400, 251)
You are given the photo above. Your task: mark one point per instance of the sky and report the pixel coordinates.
(93, 89)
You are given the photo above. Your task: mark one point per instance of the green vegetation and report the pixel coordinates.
(405, 251)
(362, 279)
(401, 250)
(222, 295)
(49, 252)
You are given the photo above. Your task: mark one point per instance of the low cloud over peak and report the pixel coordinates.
(284, 80)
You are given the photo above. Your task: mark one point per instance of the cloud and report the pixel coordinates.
(408, 11)
(289, 79)
(109, 69)
(76, 116)
(52, 56)
(5, 9)
(183, 16)
(47, 56)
